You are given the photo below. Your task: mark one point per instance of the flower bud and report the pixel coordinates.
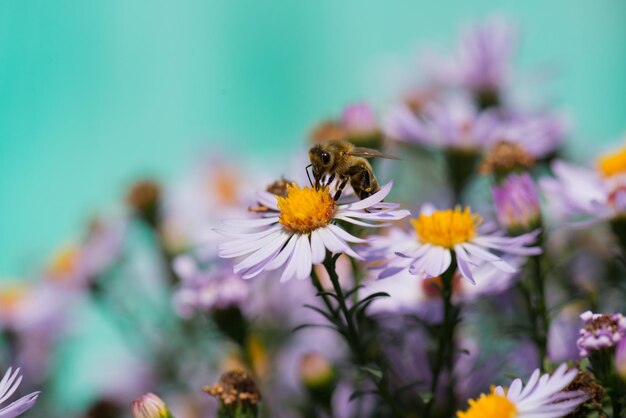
(517, 203)
(359, 118)
(318, 377)
(144, 199)
(316, 371)
(237, 394)
(600, 332)
(504, 158)
(150, 406)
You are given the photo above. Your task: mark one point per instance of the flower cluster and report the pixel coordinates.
(421, 280)
(600, 331)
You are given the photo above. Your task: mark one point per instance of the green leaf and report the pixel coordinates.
(352, 291)
(331, 294)
(426, 396)
(303, 326)
(363, 303)
(360, 393)
(325, 314)
(374, 372)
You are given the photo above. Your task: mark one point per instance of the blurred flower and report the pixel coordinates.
(8, 385)
(538, 135)
(600, 331)
(144, 199)
(237, 394)
(563, 334)
(517, 203)
(441, 233)
(26, 306)
(455, 123)
(206, 290)
(358, 124)
(359, 118)
(599, 194)
(194, 206)
(297, 230)
(481, 63)
(543, 396)
(150, 406)
(505, 158)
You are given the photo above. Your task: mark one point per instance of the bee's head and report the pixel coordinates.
(321, 161)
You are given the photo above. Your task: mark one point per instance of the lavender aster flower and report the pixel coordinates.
(206, 290)
(441, 233)
(298, 229)
(455, 123)
(541, 397)
(539, 135)
(481, 63)
(517, 203)
(8, 385)
(600, 331)
(598, 194)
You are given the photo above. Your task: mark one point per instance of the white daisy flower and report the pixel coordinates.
(543, 397)
(438, 234)
(296, 230)
(8, 385)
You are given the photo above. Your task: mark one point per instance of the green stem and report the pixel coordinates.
(444, 359)
(351, 331)
(541, 310)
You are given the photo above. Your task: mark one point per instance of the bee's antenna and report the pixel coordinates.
(307, 173)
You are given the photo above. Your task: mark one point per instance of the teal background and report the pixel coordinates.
(95, 93)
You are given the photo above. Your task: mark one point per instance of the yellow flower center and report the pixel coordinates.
(446, 228)
(489, 406)
(225, 185)
(304, 210)
(11, 296)
(612, 163)
(64, 263)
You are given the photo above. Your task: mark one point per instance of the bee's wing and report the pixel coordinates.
(370, 153)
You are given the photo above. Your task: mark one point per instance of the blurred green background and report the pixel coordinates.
(93, 94)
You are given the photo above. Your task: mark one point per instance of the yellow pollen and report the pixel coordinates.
(489, 406)
(612, 163)
(446, 228)
(304, 210)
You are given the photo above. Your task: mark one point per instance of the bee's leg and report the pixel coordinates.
(340, 188)
(361, 181)
(330, 179)
(307, 173)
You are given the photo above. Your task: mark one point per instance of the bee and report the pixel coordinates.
(346, 163)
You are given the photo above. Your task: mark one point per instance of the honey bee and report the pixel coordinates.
(346, 163)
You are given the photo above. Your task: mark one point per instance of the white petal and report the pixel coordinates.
(318, 251)
(270, 250)
(303, 253)
(345, 235)
(373, 199)
(283, 255)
